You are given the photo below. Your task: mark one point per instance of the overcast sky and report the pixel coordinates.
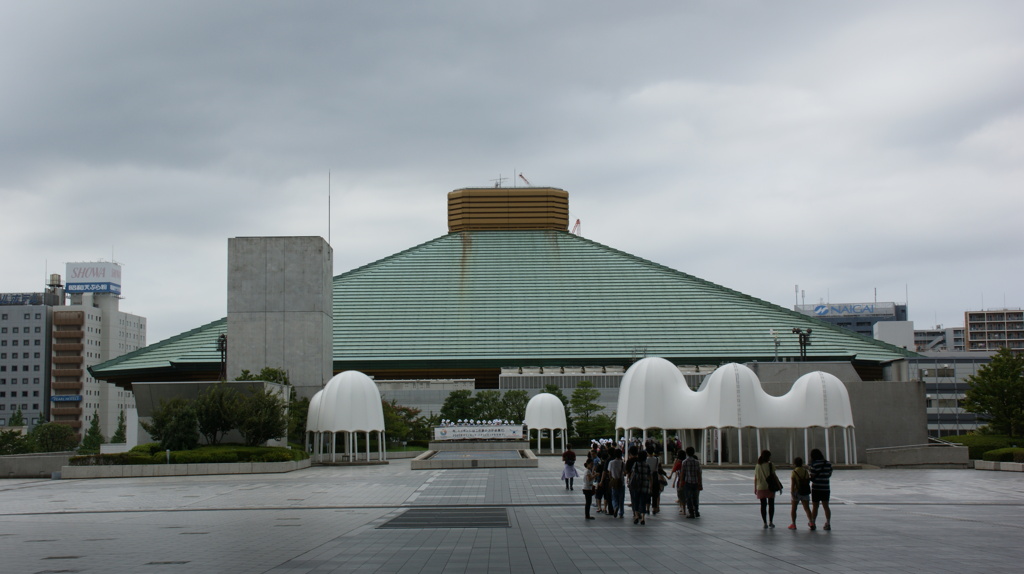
(842, 147)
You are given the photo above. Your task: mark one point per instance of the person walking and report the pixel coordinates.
(640, 482)
(693, 481)
(764, 487)
(616, 483)
(569, 470)
(588, 488)
(800, 491)
(820, 471)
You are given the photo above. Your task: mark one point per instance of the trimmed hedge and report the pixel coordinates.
(979, 444)
(1005, 455)
(151, 454)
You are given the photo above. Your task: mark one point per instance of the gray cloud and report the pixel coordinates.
(844, 148)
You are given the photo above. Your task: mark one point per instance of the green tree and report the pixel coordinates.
(93, 437)
(584, 404)
(459, 405)
(298, 407)
(267, 374)
(298, 412)
(174, 425)
(13, 442)
(514, 404)
(996, 393)
(488, 405)
(261, 417)
(17, 419)
(121, 430)
(395, 424)
(552, 388)
(52, 437)
(216, 411)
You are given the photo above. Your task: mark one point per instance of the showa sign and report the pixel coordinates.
(95, 277)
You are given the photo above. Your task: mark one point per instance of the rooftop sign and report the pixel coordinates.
(96, 277)
(849, 309)
(21, 299)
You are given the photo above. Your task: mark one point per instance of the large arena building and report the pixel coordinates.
(510, 299)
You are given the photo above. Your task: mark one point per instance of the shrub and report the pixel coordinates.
(216, 411)
(274, 456)
(52, 437)
(978, 444)
(110, 459)
(1011, 454)
(149, 448)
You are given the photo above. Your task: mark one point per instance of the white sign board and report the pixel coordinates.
(94, 277)
(480, 432)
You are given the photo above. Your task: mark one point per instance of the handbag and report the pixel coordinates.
(774, 484)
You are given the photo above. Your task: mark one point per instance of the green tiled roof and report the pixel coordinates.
(510, 298)
(534, 298)
(188, 351)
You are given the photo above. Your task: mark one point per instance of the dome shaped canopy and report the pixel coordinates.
(349, 403)
(545, 411)
(653, 393)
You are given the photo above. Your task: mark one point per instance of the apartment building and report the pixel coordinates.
(994, 329)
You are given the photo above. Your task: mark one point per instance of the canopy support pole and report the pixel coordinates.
(664, 445)
(739, 434)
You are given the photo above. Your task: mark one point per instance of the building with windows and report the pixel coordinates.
(992, 330)
(945, 377)
(25, 320)
(857, 317)
(949, 339)
(87, 331)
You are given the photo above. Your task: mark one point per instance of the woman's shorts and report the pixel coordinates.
(801, 497)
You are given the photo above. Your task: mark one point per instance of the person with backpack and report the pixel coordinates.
(766, 484)
(820, 471)
(800, 491)
(569, 470)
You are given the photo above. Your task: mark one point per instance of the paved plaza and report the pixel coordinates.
(342, 519)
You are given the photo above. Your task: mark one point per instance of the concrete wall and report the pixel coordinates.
(36, 465)
(920, 456)
(280, 308)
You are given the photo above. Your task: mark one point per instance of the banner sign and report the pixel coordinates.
(66, 398)
(481, 432)
(97, 277)
(21, 298)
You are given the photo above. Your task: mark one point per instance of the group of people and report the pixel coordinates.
(807, 484)
(607, 476)
(474, 423)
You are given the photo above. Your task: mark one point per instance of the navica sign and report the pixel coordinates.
(98, 277)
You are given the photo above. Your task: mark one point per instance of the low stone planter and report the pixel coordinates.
(143, 470)
(1003, 466)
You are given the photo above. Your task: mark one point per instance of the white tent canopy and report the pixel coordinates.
(654, 394)
(349, 404)
(546, 412)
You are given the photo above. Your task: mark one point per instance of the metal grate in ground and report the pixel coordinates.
(450, 518)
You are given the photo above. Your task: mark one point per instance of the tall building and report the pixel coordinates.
(995, 329)
(25, 320)
(90, 330)
(856, 317)
(945, 376)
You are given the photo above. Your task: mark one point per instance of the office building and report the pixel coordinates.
(25, 320)
(949, 339)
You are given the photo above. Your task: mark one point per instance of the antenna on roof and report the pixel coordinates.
(499, 181)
